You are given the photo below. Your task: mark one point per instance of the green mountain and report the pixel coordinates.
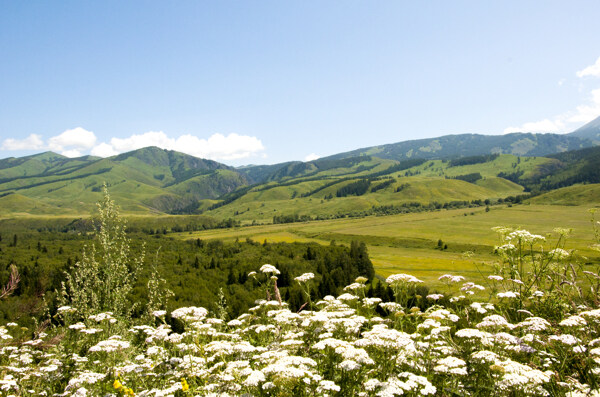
(144, 180)
(370, 185)
(520, 144)
(452, 170)
(354, 186)
(589, 131)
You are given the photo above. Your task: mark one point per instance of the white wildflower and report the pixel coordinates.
(451, 365)
(269, 269)
(508, 295)
(566, 339)
(327, 385)
(523, 236)
(559, 254)
(402, 278)
(305, 277)
(435, 297)
(451, 278)
(495, 320)
(573, 321)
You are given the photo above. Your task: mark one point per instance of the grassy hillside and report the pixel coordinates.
(145, 180)
(317, 192)
(153, 180)
(561, 170)
(16, 204)
(572, 195)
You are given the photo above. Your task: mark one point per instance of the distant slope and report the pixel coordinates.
(572, 195)
(522, 144)
(565, 169)
(589, 131)
(293, 169)
(16, 204)
(367, 184)
(262, 173)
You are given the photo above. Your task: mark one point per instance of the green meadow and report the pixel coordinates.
(408, 243)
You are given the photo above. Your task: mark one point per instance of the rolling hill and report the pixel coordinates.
(370, 185)
(144, 180)
(452, 170)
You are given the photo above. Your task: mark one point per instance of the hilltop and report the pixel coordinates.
(144, 180)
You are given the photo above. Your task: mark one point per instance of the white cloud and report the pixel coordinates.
(138, 141)
(311, 157)
(103, 150)
(592, 70)
(71, 153)
(570, 120)
(216, 147)
(78, 141)
(545, 125)
(32, 142)
(72, 141)
(587, 112)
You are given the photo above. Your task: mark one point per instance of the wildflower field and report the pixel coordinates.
(532, 329)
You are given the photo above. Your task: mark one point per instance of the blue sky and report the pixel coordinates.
(270, 81)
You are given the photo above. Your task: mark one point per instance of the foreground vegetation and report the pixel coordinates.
(196, 270)
(532, 328)
(532, 331)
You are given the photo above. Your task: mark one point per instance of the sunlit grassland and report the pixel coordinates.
(505, 162)
(399, 243)
(408, 242)
(261, 206)
(569, 195)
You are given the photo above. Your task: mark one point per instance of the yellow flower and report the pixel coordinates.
(123, 389)
(184, 385)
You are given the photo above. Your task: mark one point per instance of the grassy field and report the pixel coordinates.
(408, 243)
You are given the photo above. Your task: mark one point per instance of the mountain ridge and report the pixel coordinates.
(157, 180)
(459, 145)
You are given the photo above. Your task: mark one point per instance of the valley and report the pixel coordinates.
(420, 215)
(408, 243)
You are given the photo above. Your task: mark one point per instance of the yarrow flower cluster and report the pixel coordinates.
(269, 269)
(305, 277)
(450, 278)
(402, 278)
(525, 237)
